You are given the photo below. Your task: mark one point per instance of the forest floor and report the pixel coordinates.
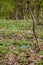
(17, 43)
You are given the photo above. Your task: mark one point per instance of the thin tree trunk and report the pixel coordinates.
(33, 19)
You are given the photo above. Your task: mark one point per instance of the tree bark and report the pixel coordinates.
(33, 19)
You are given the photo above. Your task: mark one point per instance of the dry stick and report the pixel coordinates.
(33, 19)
